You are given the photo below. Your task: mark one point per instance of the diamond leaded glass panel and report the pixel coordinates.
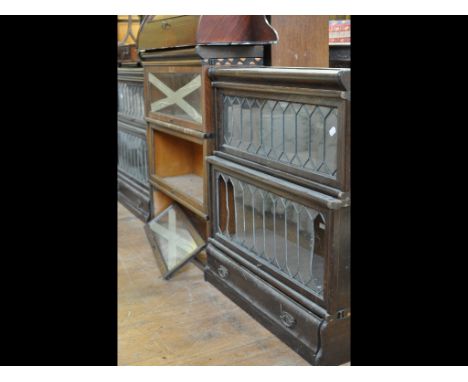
(286, 234)
(297, 134)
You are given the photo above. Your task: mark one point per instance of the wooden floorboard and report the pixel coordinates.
(184, 321)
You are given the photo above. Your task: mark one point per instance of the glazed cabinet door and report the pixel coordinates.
(132, 170)
(292, 123)
(282, 228)
(130, 97)
(174, 95)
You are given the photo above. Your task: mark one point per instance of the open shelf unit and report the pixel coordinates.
(177, 167)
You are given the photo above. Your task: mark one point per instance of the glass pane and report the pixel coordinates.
(239, 208)
(176, 94)
(331, 123)
(290, 236)
(248, 217)
(246, 128)
(255, 141)
(174, 236)
(260, 239)
(301, 135)
(130, 99)
(132, 155)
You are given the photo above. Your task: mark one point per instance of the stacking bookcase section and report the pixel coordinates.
(290, 122)
(280, 204)
(178, 167)
(176, 52)
(133, 185)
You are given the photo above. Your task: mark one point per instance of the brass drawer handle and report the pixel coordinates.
(165, 25)
(222, 272)
(287, 320)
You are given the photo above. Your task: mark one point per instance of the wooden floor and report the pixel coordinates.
(184, 321)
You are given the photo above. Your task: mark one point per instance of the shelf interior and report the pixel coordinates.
(180, 164)
(190, 184)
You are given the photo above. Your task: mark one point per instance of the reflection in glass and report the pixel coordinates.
(173, 238)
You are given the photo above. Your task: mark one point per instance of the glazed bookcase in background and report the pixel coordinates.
(132, 170)
(280, 203)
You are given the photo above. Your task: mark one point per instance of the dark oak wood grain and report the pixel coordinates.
(302, 41)
(235, 29)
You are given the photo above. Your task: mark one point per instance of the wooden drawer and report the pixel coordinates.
(175, 31)
(293, 324)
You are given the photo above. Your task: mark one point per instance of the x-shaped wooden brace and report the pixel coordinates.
(174, 240)
(176, 97)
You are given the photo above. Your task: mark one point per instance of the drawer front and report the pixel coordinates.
(295, 325)
(169, 32)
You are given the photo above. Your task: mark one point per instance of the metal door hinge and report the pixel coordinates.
(343, 313)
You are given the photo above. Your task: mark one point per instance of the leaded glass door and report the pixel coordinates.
(283, 228)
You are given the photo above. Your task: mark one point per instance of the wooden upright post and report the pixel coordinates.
(303, 41)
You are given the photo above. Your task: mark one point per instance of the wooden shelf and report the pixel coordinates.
(190, 184)
(178, 169)
(179, 195)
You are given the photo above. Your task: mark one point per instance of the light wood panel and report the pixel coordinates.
(175, 156)
(160, 202)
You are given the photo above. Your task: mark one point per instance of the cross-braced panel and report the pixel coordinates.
(176, 94)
